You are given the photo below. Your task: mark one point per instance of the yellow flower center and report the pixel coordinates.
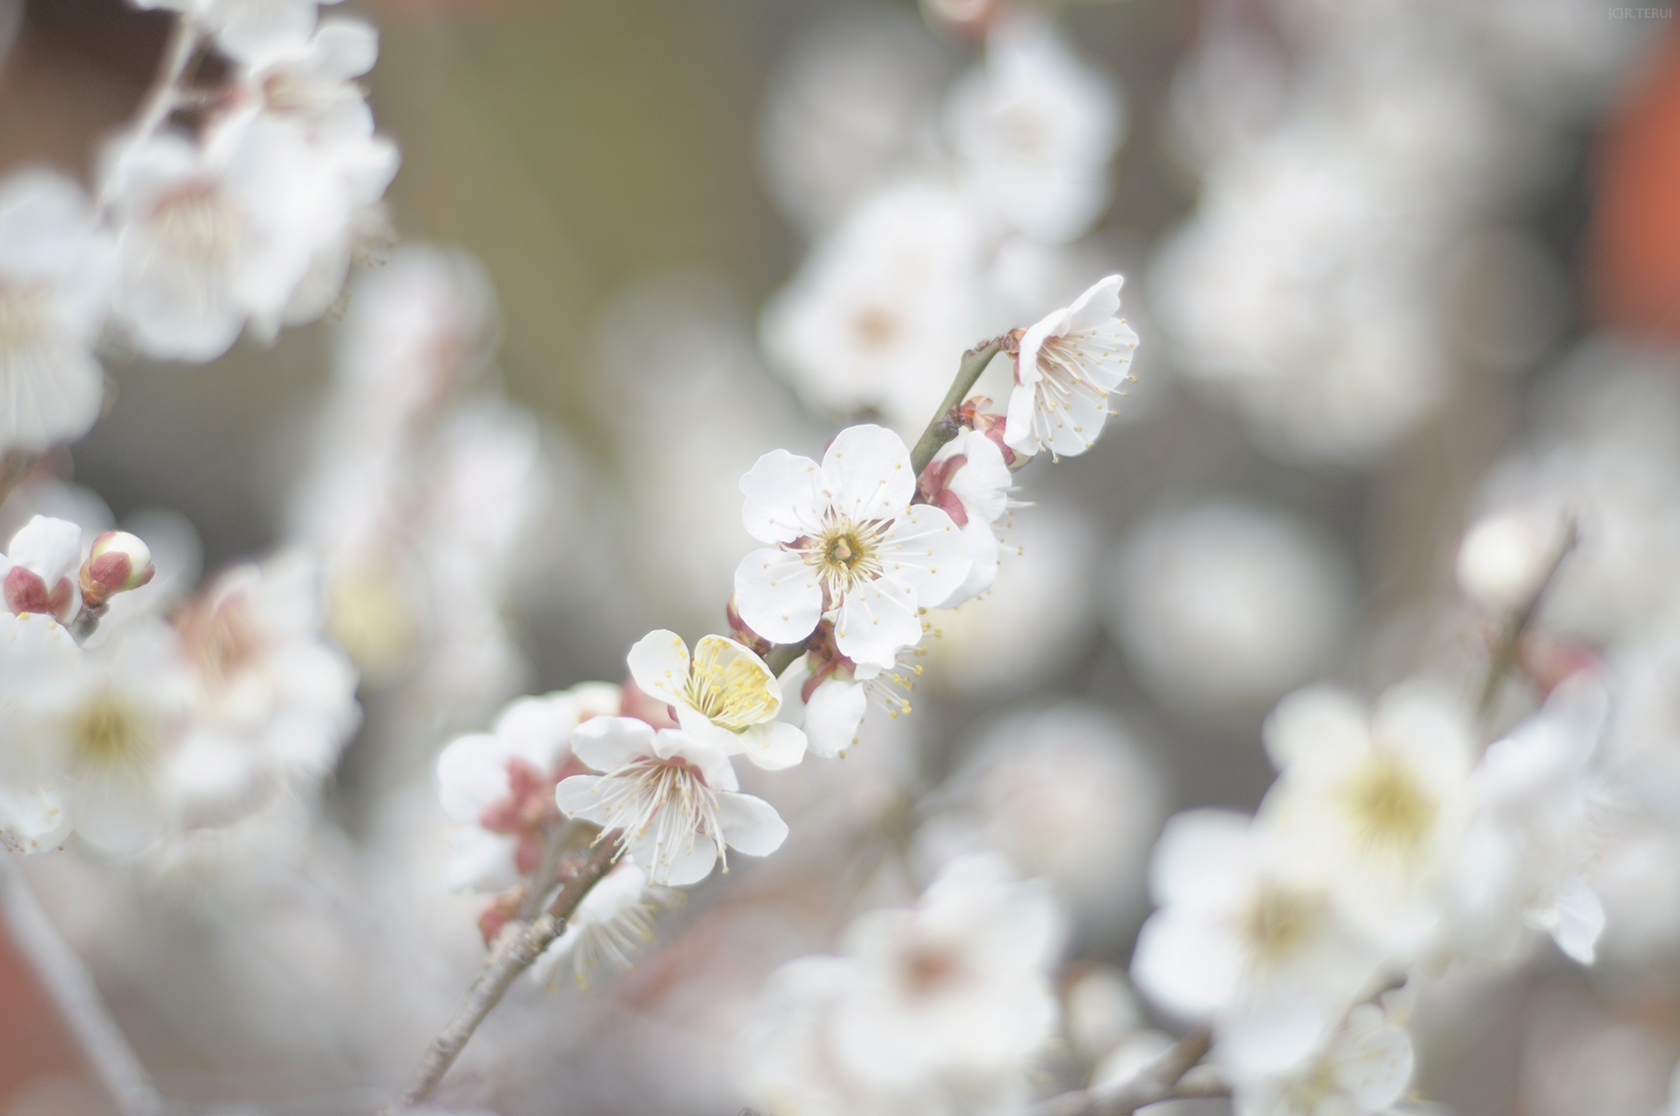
(733, 690)
(110, 732)
(1279, 921)
(846, 554)
(1390, 808)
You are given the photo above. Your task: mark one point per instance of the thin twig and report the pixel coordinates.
(1161, 1080)
(548, 870)
(517, 949)
(1505, 652)
(944, 426)
(75, 995)
(163, 97)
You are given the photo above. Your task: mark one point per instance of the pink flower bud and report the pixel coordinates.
(119, 562)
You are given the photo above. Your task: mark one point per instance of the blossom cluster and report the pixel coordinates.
(222, 208)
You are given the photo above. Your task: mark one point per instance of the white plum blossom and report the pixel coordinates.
(499, 786)
(1373, 804)
(55, 281)
(1538, 806)
(846, 541)
(1034, 129)
(724, 694)
(1504, 556)
(1363, 1070)
(969, 481)
(218, 233)
(273, 701)
(672, 797)
(882, 308)
(827, 694)
(247, 29)
(938, 1008)
(39, 665)
(38, 572)
(1241, 942)
(612, 923)
(1068, 364)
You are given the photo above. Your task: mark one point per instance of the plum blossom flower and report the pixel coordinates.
(672, 796)
(1373, 805)
(612, 924)
(845, 540)
(1034, 129)
(827, 694)
(218, 233)
(55, 280)
(38, 572)
(247, 29)
(969, 481)
(1067, 365)
(724, 695)
(273, 701)
(1241, 942)
(1363, 1070)
(499, 786)
(881, 307)
(1538, 802)
(39, 665)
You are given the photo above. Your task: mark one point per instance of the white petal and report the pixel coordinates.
(925, 551)
(982, 547)
(1186, 964)
(867, 469)
(579, 797)
(784, 497)
(1315, 725)
(982, 483)
(119, 809)
(1580, 921)
(1019, 431)
(774, 745)
(1097, 305)
(1203, 857)
(876, 621)
(678, 867)
(50, 547)
(481, 861)
(472, 776)
(608, 743)
(349, 47)
(834, 715)
(777, 595)
(750, 825)
(701, 753)
(659, 664)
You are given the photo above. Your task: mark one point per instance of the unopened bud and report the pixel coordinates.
(119, 562)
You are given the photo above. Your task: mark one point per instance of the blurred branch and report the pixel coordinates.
(944, 426)
(1510, 640)
(517, 949)
(164, 95)
(1161, 1080)
(75, 995)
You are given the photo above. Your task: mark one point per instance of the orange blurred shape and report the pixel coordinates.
(1635, 262)
(33, 1043)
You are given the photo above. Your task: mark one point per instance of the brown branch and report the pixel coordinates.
(1163, 1079)
(1505, 652)
(517, 949)
(944, 426)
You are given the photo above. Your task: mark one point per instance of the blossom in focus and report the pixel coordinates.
(879, 313)
(39, 666)
(499, 786)
(938, 1008)
(55, 280)
(216, 234)
(827, 694)
(969, 481)
(1068, 364)
(1363, 1070)
(845, 540)
(38, 572)
(1034, 129)
(273, 701)
(118, 562)
(612, 923)
(1241, 942)
(672, 796)
(724, 694)
(1372, 804)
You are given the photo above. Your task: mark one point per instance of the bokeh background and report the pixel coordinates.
(613, 167)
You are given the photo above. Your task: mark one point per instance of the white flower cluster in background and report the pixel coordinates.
(960, 219)
(1340, 267)
(157, 726)
(246, 219)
